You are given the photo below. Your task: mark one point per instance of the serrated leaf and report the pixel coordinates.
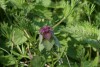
(3, 4)
(18, 36)
(18, 3)
(67, 9)
(80, 51)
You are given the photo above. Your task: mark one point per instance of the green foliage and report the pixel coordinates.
(75, 38)
(3, 4)
(37, 61)
(48, 45)
(7, 60)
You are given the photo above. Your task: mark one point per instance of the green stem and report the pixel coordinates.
(52, 58)
(97, 53)
(30, 54)
(17, 46)
(68, 61)
(5, 50)
(12, 43)
(59, 22)
(26, 34)
(60, 55)
(90, 54)
(30, 44)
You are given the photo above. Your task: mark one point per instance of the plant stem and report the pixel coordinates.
(27, 36)
(5, 50)
(68, 61)
(17, 46)
(59, 22)
(60, 54)
(89, 18)
(52, 58)
(90, 54)
(30, 55)
(12, 43)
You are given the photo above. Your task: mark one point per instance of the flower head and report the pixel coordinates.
(46, 32)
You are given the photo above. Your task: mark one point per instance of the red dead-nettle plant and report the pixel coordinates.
(47, 38)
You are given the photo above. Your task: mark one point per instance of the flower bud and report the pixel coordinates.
(46, 32)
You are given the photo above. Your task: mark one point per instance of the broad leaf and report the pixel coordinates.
(7, 60)
(37, 61)
(48, 44)
(41, 46)
(18, 36)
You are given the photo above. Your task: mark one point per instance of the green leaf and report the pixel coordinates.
(14, 35)
(57, 43)
(37, 61)
(89, 8)
(48, 44)
(82, 31)
(95, 61)
(71, 52)
(15, 53)
(7, 60)
(46, 3)
(18, 36)
(17, 3)
(85, 64)
(94, 43)
(47, 14)
(3, 4)
(41, 46)
(80, 51)
(67, 9)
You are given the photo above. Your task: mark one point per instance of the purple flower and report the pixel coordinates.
(46, 32)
